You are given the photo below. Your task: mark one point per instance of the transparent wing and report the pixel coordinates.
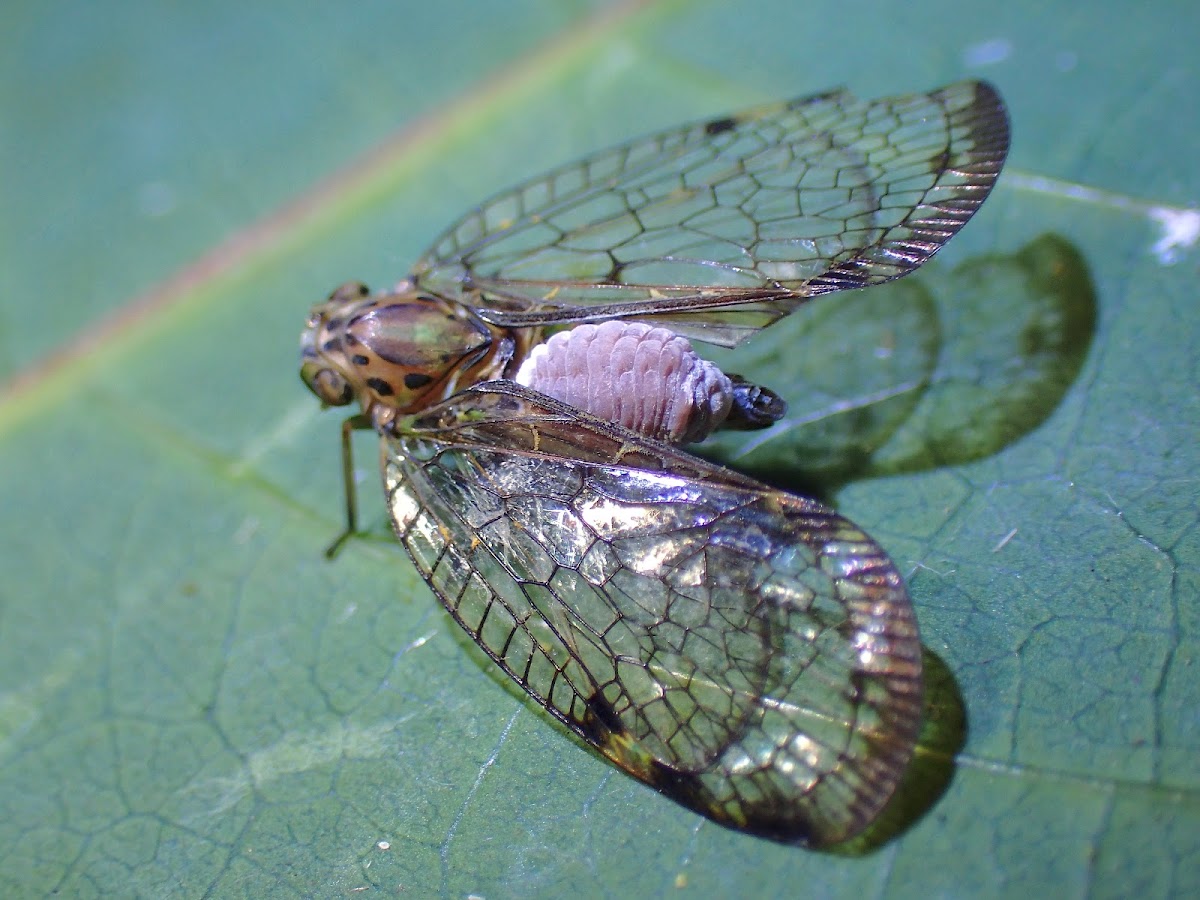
(749, 653)
(719, 228)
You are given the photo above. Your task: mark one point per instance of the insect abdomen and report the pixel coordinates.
(648, 379)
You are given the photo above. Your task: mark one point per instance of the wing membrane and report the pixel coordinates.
(749, 653)
(769, 207)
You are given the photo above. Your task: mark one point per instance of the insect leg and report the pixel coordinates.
(350, 425)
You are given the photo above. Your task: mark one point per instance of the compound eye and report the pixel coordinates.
(350, 291)
(330, 386)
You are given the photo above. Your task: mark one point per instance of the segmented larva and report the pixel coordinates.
(648, 379)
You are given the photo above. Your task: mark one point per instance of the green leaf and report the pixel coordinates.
(194, 702)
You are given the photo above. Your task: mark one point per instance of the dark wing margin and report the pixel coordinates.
(751, 654)
(732, 223)
(967, 168)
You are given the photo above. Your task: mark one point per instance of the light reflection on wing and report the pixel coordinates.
(749, 653)
(763, 209)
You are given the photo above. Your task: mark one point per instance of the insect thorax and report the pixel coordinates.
(398, 352)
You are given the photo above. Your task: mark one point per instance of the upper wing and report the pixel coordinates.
(749, 653)
(756, 211)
